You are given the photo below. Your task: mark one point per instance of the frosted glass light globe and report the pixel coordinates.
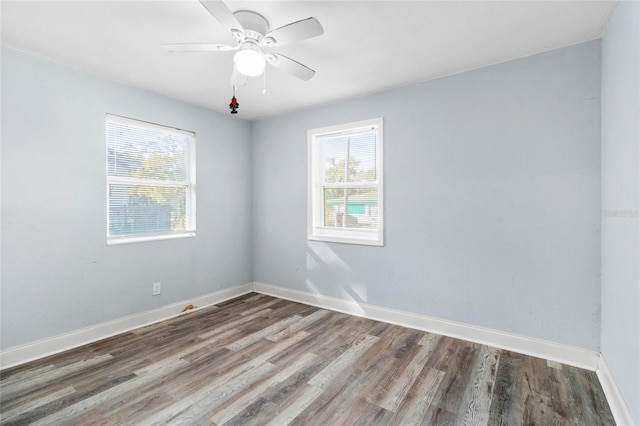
(249, 62)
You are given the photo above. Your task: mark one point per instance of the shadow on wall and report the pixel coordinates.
(326, 270)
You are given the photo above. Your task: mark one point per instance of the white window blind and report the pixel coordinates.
(345, 183)
(151, 181)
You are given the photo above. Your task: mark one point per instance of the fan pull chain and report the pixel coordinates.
(264, 81)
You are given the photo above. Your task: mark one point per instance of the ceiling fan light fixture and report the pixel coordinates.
(249, 61)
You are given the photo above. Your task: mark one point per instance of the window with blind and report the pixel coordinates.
(345, 183)
(150, 181)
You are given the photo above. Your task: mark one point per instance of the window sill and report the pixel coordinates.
(357, 237)
(112, 241)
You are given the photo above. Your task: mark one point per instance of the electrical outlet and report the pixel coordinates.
(157, 288)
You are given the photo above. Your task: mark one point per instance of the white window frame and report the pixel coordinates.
(316, 231)
(189, 184)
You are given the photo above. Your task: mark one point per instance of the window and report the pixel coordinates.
(150, 181)
(345, 183)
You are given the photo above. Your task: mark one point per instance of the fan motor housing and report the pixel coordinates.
(252, 21)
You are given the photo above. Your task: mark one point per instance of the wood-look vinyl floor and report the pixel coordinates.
(264, 361)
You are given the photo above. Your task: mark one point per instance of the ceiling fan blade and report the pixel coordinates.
(198, 47)
(290, 66)
(296, 31)
(223, 14)
(238, 79)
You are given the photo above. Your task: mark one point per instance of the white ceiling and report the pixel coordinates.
(368, 46)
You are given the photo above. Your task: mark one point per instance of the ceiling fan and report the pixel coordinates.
(251, 33)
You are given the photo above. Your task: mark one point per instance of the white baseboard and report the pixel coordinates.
(565, 354)
(619, 407)
(31, 351)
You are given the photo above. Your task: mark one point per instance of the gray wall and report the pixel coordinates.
(620, 335)
(492, 192)
(58, 274)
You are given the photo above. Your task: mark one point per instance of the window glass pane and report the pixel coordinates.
(145, 153)
(138, 209)
(334, 152)
(362, 155)
(360, 205)
(359, 149)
